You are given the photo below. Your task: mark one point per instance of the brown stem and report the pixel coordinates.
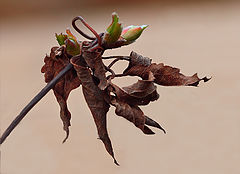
(114, 61)
(33, 102)
(80, 31)
(120, 75)
(113, 75)
(95, 42)
(88, 26)
(118, 57)
(111, 71)
(108, 68)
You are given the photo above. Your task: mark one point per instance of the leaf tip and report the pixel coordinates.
(205, 79)
(67, 135)
(115, 17)
(60, 38)
(115, 161)
(144, 26)
(164, 131)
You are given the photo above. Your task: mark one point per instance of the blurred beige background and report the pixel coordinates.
(203, 132)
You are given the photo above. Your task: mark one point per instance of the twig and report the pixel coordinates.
(80, 31)
(113, 75)
(108, 68)
(88, 26)
(120, 75)
(111, 71)
(118, 57)
(33, 102)
(116, 60)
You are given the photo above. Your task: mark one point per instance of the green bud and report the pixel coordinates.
(113, 31)
(132, 33)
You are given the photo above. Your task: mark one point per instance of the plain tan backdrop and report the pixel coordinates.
(203, 132)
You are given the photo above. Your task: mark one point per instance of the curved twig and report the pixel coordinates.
(95, 42)
(108, 68)
(113, 75)
(80, 31)
(116, 60)
(33, 102)
(88, 26)
(111, 71)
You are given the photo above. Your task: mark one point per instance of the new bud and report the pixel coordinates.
(70, 41)
(113, 31)
(132, 33)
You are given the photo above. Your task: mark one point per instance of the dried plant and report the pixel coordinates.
(76, 63)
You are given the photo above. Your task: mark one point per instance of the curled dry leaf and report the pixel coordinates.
(140, 93)
(53, 65)
(133, 114)
(127, 100)
(95, 100)
(163, 74)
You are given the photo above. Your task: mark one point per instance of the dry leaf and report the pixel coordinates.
(163, 74)
(127, 100)
(140, 93)
(94, 61)
(53, 65)
(95, 100)
(133, 114)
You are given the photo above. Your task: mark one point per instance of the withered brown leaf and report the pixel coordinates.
(95, 100)
(164, 75)
(133, 114)
(139, 93)
(128, 99)
(53, 65)
(94, 61)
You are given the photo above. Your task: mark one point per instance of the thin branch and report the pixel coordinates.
(128, 58)
(120, 75)
(114, 61)
(94, 42)
(111, 71)
(113, 75)
(89, 27)
(117, 58)
(108, 68)
(33, 102)
(80, 31)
